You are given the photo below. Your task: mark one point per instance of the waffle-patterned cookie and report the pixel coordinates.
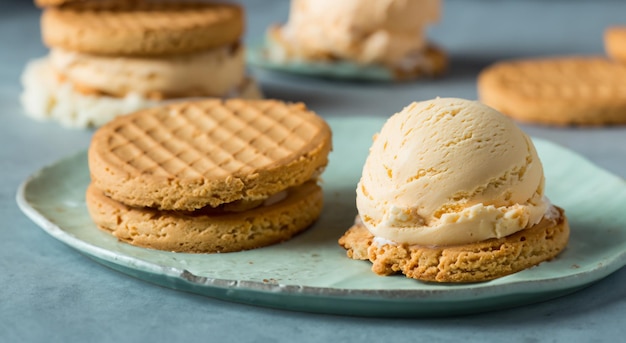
(208, 230)
(189, 155)
(557, 91)
(475, 262)
(615, 43)
(141, 27)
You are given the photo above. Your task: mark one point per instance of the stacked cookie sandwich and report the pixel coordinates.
(208, 176)
(112, 57)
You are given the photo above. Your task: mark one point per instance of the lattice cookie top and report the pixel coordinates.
(190, 155)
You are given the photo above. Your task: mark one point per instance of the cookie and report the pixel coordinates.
(61, 3)
(474, 262)
(208, 230)
(141, 28)
(557, 91)
(50, 3)
(615, 43)
(190, 155)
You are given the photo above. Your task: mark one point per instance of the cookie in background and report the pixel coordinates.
(562, 90)
(51, 3)
(111, 57)
(355, 39)
(615, 43)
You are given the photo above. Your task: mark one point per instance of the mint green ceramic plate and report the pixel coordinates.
(257, 56)
(311, 272)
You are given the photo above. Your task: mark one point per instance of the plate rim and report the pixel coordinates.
(255, 56)
(398, 302)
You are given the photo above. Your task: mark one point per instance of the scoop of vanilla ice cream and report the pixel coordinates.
(385, 31)
(450, 171)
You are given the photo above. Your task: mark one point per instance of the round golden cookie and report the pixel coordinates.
(47, 3)
(59, 3)
(208, 231)
(189, 155)
(141, 28)
(557, 91)
(615, 43)
(475, 262)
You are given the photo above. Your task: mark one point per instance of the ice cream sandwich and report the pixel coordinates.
(208, 176)
(113, 57)
(453, 191)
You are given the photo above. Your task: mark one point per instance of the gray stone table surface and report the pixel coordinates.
(51, 293)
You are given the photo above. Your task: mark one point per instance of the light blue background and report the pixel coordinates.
(51, 293)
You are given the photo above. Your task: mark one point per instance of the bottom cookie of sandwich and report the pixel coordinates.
(208, 230)
(481, 261)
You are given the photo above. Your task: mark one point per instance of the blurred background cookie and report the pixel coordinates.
(109, 58)
(557, 91)
(47, 3)
(615, 42)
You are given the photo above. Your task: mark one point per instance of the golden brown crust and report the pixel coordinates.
(475, 262)
(557, 91)
(47, 3)
(210, 231)
(59, 3)
(141, 28)
(615, 43)
(99, 3)
(190, 155)
(436, 65)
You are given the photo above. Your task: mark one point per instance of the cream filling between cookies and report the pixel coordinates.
(209, 73)
(47, 97)
(241, 206)
(246, 205)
